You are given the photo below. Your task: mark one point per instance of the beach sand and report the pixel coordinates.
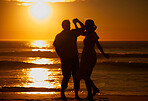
(56, 97)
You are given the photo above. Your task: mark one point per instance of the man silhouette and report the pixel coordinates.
(66, 47)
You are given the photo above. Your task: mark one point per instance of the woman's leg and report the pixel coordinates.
(95, 89)
(88, 86)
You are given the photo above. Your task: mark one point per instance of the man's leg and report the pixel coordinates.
(76, 87)
(66, 72)
(75, 66)
(64, 85)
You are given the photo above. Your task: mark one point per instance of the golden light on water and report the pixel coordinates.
(42, 61)
(46, 0)
(38, 74)
(38, 93)
(51, 50)
(42, 77)
(38, 60)
(40, 44)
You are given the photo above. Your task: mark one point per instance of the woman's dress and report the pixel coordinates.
(88, 58)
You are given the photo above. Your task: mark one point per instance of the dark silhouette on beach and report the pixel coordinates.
(89, 58)
(66, 47)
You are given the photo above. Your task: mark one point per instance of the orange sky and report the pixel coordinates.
(117, 20)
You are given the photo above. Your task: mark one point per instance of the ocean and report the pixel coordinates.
(33, 66)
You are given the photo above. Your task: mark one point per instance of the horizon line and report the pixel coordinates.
(53, 40)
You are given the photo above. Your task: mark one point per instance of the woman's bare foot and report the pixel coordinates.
(96, 91)
(89, 98)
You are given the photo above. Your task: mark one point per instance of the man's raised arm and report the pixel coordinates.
(80, 30)
(75, 21)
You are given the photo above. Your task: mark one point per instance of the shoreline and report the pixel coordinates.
(70, 97)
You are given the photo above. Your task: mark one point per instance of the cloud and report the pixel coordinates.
(40, 0)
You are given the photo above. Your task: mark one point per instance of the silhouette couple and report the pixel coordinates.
(66, 47)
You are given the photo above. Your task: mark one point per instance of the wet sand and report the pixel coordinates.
(70, 97)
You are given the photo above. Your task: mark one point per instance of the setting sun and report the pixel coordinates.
(40, 10)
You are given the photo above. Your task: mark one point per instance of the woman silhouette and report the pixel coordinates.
(89, 58)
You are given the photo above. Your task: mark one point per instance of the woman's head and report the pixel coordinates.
(90, 25)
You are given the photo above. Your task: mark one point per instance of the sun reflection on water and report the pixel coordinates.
(42, 77)
(38, 93)
(43, 61)
(42, 50)
(40, 44)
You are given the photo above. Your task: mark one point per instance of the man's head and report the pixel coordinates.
(66, 25)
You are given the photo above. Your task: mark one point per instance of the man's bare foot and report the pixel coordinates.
(63, 96)
(77, 97)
